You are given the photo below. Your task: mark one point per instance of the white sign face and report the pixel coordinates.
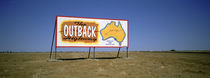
(91, 32)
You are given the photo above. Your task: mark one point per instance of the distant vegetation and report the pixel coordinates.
(173, 50)
(6, 52)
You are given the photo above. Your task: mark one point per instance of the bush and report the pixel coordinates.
(172, 50)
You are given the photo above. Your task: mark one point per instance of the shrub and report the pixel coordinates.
(172, 50)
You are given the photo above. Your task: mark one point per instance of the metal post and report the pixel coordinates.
(127, 53)
(94, 52)
(52, 41)
(89, 52)
(55, 52)
(118, 52)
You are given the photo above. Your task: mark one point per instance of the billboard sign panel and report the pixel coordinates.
(91, 32)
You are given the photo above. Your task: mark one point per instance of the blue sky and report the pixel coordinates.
(27, 25)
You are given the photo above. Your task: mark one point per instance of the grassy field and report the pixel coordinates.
(75, 65)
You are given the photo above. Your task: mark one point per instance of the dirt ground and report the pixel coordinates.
(76, 65)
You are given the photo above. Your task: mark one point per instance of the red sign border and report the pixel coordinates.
(92, 46)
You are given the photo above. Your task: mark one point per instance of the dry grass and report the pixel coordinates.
(139, 65)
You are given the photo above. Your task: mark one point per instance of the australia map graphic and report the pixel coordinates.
(111, 30)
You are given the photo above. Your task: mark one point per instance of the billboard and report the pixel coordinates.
(91, 32)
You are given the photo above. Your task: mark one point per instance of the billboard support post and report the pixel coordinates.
(89, 52)
(52, 41)
(127, 52)
(118, 52)
(94, 53)
(55, 52)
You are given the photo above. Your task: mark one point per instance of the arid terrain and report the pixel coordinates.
(76, 65)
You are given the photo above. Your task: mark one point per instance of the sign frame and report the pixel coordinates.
(55, 39)
(92, 46)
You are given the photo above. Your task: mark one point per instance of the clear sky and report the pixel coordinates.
(27, 25)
